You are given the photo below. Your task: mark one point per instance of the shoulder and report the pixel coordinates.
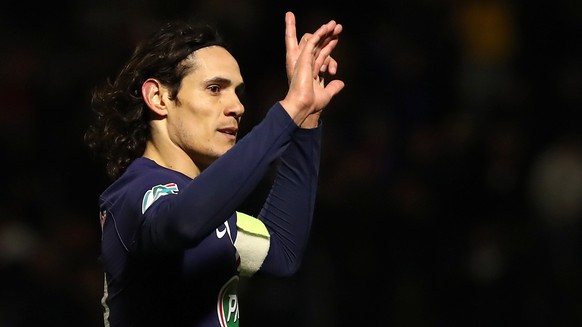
(143, 182)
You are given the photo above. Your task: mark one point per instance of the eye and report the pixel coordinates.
(214, 88)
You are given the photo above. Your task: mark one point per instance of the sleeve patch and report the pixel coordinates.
(157, 192)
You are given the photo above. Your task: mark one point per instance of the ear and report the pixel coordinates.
(152, 92)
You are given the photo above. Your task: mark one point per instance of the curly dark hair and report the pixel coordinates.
(121, 127)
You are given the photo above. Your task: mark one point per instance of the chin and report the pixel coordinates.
(228, 147)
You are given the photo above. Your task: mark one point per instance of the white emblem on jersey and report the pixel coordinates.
(157, 192)
(220, 233)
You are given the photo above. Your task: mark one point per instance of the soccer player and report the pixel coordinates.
(173, 243)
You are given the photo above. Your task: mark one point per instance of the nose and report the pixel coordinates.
(236, 108)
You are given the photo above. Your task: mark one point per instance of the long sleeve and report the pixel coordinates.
(289, 207)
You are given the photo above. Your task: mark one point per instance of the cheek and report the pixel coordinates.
(182, 130)
(195, 122)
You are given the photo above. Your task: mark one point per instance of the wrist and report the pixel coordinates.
(298, 115)
(311, 121)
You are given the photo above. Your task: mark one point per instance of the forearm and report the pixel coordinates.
(288, 211)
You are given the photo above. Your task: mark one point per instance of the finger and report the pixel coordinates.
(291, 46)
(317, 57)
(337, 29)
(331, 66)
(317, 47)
(333, 34)
(290, 31)
(326, 46)
(304, 39)
(323, 55)
(313, 43)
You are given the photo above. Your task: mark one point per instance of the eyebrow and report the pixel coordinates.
(218, 80)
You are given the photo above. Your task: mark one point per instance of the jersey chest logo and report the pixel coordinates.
(227, 305)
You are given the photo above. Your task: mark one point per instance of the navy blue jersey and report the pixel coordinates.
(168, 240)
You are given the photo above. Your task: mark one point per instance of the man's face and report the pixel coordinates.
(204, 120)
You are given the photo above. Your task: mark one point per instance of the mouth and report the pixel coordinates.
(229, 131)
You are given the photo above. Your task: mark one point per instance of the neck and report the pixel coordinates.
(169, 156)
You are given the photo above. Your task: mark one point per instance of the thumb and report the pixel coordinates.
(334, 87)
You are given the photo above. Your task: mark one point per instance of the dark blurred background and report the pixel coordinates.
(451, 181)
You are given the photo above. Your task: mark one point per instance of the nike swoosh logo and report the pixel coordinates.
(220, 233)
